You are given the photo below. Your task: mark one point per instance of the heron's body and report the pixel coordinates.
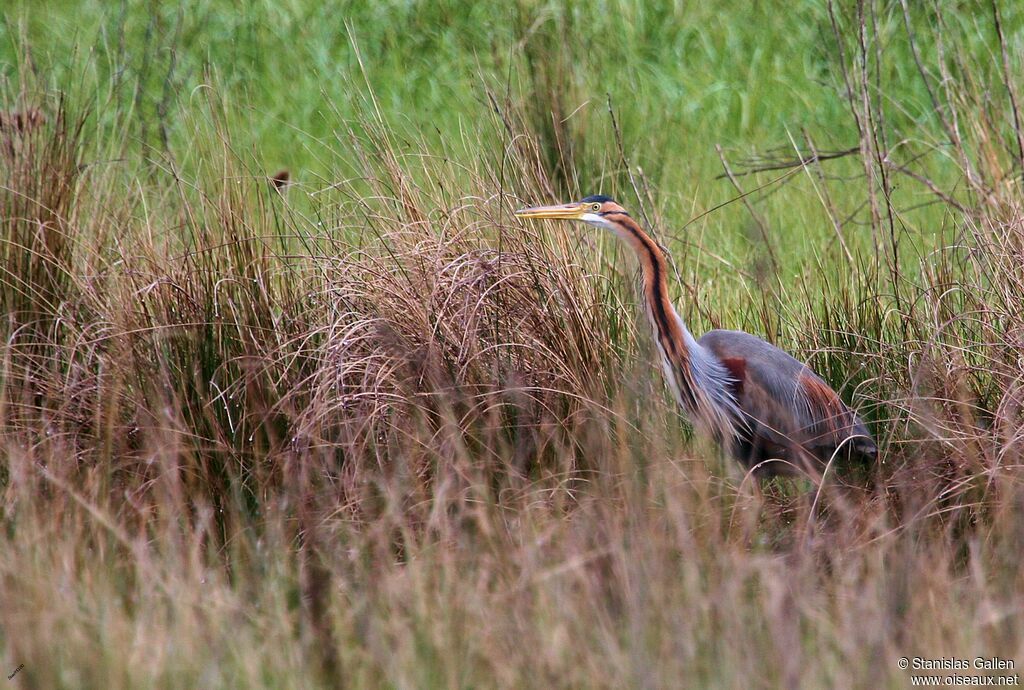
(792, 418)
(770, 411)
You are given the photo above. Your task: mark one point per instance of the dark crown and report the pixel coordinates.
(596, 199)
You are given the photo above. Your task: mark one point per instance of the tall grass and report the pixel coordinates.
(371, 430)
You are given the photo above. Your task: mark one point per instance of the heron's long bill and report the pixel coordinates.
(561, 211)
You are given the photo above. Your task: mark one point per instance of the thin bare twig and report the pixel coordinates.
(1008, 82)
(932, 187)
(625, 162)
(822, 189)
(753, 213)
(798, 162)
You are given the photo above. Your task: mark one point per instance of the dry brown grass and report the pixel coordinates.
(383, 433)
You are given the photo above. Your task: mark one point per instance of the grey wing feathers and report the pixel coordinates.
(785, 401)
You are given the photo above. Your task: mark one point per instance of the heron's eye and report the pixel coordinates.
(595, 207)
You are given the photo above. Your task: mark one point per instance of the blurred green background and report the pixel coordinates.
(297, 76)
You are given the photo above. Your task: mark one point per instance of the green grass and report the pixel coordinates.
(372, 428)
(682, 78)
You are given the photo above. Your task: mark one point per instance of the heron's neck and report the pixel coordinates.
(699, 381)
(672, 335)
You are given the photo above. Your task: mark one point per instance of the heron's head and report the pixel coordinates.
(598, 210)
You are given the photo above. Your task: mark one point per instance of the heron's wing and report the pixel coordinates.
(785, 401)
(829, 420)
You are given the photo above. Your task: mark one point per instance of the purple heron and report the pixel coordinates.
(768, 410)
